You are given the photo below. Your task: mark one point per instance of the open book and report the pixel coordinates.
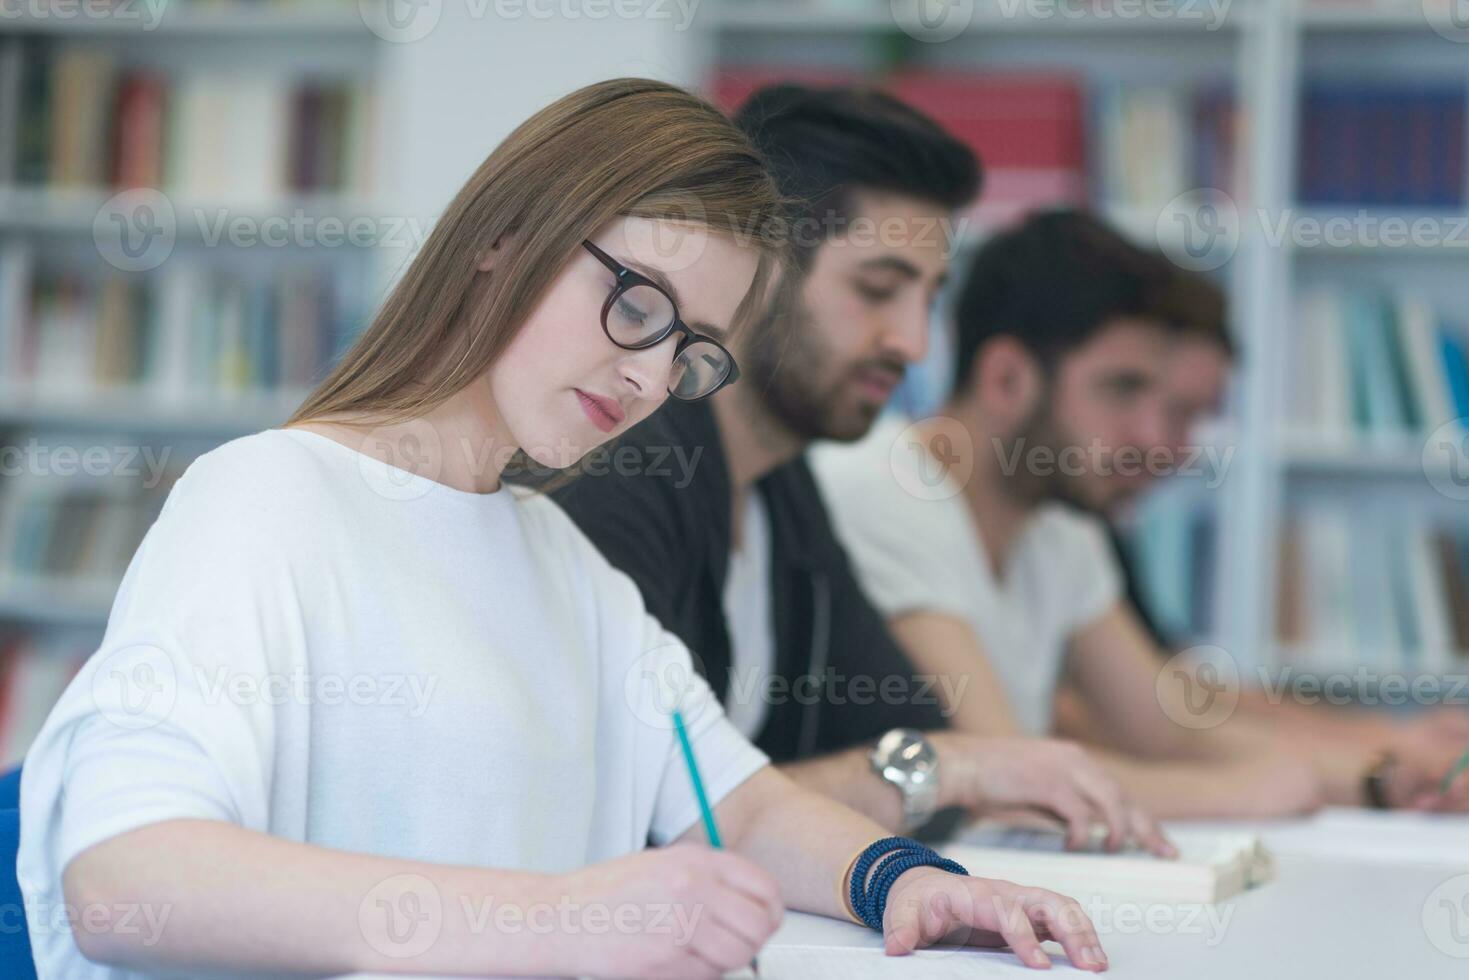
(1211, 865)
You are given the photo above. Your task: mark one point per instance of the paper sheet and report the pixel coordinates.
(846, 963)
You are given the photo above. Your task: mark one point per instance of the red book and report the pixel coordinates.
(137, 137)
(1010, 120)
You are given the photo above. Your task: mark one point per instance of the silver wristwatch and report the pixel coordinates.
(908, 760)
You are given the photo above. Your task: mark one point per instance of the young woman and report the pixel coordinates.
(360, 707)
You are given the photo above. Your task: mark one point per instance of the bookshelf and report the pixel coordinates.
(441, 95)
(145, 368)
(1265, 57)
(438, 104)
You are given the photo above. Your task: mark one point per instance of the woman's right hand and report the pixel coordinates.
(681, 911)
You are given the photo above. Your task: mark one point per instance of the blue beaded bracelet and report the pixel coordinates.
(885, 861)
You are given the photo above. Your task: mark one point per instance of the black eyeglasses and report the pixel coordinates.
(638, 314)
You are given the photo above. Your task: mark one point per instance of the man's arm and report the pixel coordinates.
(988, 773)
(945, 645)
(1253, 787)
(991, 763)
(1116, 671)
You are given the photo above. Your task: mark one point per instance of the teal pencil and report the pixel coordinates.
(710, 828)
(1453, 774)
(688, 758)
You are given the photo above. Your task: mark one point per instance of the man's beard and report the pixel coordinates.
(1042, 431)
(785, 368)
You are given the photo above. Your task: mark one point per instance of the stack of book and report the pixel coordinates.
(1392, 595)
(1383, 144)
(34, 670)
(192, 332)
(1045, 139)
(73, 511)
(1155, 142)
(74, 117)
(1374, 365)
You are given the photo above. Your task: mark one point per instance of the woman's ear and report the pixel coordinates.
(1009, 381)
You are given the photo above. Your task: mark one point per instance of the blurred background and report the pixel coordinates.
(202, 202)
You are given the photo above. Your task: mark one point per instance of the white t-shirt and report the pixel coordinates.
(318, 645)
(916, 548)
(747, 609)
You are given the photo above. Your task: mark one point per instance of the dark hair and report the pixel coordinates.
(1058, 277)
(1194, 302)
(821, 144)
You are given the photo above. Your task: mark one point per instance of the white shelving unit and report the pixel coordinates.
(448, 98)
(311, 39)
(442, 101)
(1265, 48)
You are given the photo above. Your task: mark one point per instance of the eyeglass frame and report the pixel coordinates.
(627, 279)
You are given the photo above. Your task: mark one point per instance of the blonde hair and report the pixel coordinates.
(628, 146)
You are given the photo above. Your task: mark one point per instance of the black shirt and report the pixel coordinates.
(658, 505)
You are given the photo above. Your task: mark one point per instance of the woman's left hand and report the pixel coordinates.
(926, 905)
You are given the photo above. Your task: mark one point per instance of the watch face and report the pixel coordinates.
(905, 754)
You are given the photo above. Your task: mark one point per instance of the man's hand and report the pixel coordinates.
(927, 905)
(1057, 777)
(1415, 784)
(1436, 738)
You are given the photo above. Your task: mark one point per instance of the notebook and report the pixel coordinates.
(1211, 867)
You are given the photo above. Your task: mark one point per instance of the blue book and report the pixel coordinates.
(1456, 368)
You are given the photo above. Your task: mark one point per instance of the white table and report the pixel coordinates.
(1331, 920)
(1374, 908)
